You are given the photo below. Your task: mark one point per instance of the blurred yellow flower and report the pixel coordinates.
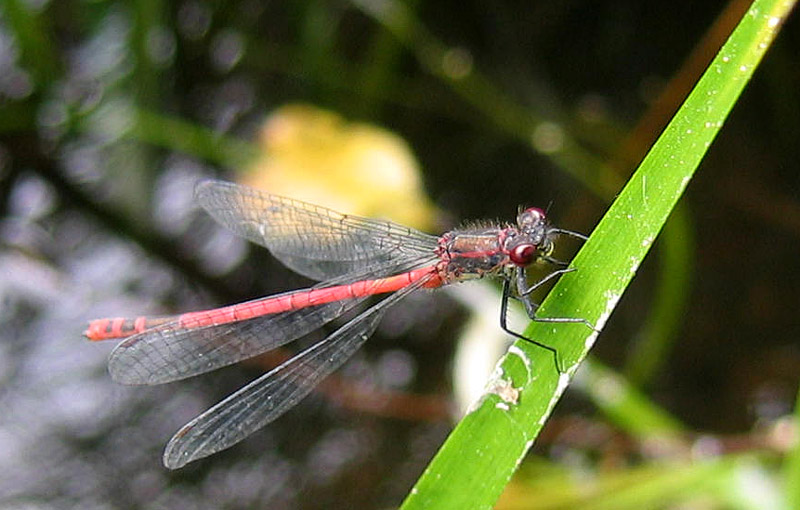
(317, 156)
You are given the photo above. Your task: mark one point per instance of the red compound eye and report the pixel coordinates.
(531, 218)
(535, 213)
(523, 254)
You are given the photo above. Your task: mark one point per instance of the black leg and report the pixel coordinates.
(554, 261)
(504, 326)
(530, 306)
(522, 280)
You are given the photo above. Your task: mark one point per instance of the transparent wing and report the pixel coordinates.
(271, 395)
(314, 241)
(173, 351)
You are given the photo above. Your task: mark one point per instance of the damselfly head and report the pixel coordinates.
(525, 250)
(532, 239)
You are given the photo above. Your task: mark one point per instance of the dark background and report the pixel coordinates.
(94, 223)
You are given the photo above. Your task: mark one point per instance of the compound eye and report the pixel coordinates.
(535, 213)
(523, 254)
(531, 217)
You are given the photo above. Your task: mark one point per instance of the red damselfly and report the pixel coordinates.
(355, 258)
